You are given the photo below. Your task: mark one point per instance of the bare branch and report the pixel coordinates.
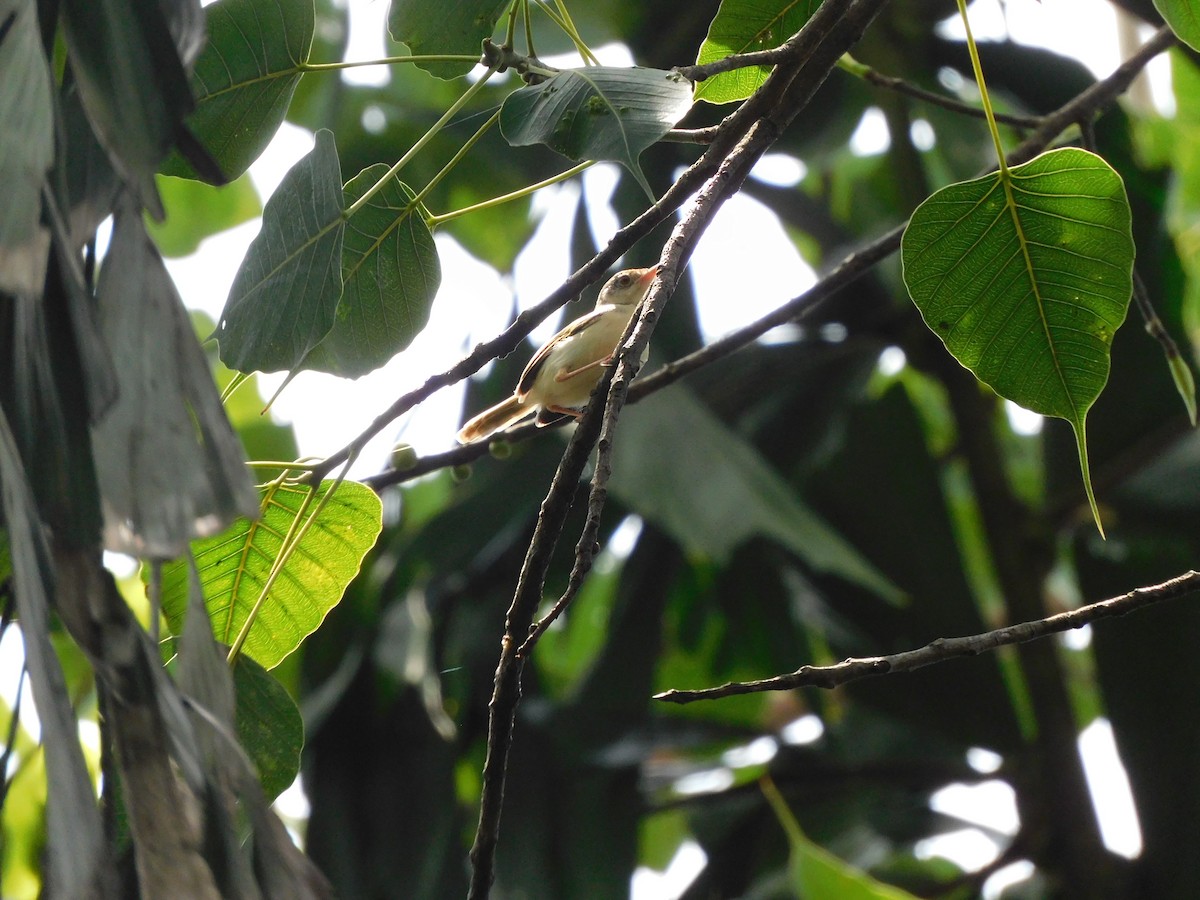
(943, 649)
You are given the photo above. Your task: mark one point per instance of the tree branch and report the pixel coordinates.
(943, 649)
(832, 30)
(1086, 104)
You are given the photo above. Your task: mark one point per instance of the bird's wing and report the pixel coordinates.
(525, 385)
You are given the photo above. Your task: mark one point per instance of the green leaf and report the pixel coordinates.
(390, 273)
(26, 148)
(285, 295)
(818, 873)
(680, 467)
(1184, 18)
(132, 81)
(743, 26)
(196, 210)
(169, 465)
(598, 113)
(444, 26)
(1026, 277)
(245, 78)
(234, 567)
(269, 726)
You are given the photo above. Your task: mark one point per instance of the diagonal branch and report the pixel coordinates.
(744, 137)
(943, 649)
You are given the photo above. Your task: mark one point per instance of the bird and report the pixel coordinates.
(560, 377)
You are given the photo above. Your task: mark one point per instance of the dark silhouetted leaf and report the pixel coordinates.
(285, 295)
(390, 274)
(598, 113)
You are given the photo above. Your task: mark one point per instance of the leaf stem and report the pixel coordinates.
(384, 61)
(434, 221)
(986, 100)
(420, 144)
(454, 160)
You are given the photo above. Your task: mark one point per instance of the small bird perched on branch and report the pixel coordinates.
(560, 377)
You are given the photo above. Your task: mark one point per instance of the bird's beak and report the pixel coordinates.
(648, 275)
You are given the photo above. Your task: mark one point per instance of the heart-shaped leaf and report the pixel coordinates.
(285, 295)
(430, 27)
(234, 567)
(1025, 275)
(598, 113)
(742, 26)
(390, 274)
(245, 78)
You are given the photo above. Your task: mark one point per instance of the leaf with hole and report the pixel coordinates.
(245, 78)
(390, 274)
(234, 567)
(286, 292)
(1025, 277)
(744, 26)
(598, 113)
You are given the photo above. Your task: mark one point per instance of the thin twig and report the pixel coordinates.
(900, 86)
(943, 649)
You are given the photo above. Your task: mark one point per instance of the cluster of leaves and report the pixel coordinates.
(788, 505)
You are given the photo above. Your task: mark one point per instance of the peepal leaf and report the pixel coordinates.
(170, 466)
(234, 567)
(269, 726)
(743, 26)
(429, 27)
(815, 872)
(245, 78)
(681, 468)
(1184, 18)
(598, 113)
(1026, 278)
(390, 273)
(285, 295)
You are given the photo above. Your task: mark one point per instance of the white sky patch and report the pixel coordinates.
(688, 862)
(1022, 420)
(368, 25)
(990, 804)
(984, 761)
(969, 848)
(871, 137)
(1002, 879)
(804, 730)
(739, 280)
(1054, 24)
(1109, 785)
(759, 751)
(779, 169)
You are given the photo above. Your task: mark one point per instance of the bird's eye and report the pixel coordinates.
(623, 280)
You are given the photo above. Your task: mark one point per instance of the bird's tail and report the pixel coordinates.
(493, 419)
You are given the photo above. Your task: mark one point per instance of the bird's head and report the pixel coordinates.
(627, 288)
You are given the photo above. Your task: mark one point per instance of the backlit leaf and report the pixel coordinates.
(743, 26)
(1026, 279)
(234, 567)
